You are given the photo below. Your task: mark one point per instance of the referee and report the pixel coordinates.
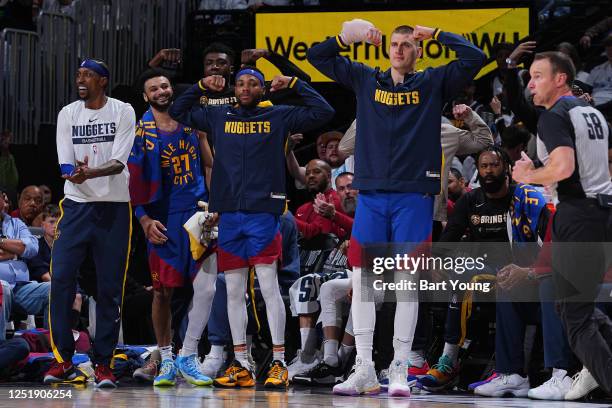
(573, 143)
(94, 138)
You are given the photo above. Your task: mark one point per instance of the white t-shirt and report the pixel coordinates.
(101, 135)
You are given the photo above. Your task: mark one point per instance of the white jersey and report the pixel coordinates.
(101, 135)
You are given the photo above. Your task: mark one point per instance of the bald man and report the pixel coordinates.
(30, 206)
(324, 214)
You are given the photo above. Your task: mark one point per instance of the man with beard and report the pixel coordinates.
(323, 215)
(456, 185)
(166, 183)
(94, 138)
(337, 160)
(482, 214)
(250, 197)
(346, 192)
(456, 189)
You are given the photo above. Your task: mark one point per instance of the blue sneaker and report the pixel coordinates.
(167, 374)
(445, 374)
(188, 367)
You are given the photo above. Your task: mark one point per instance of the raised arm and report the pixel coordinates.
(524, 110)
(188, 111)
(284, 65)
(314, 114)
(478, 137)
(326, 58)
(457, 73)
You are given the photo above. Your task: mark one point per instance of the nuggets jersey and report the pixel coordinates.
(100, 135)
(183, 182)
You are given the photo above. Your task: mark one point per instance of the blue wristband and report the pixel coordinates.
(67, 169)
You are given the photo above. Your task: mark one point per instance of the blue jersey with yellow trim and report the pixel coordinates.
(183, 182)
(182, 179)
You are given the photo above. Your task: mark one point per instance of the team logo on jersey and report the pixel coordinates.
(488, 219)
(204, 100)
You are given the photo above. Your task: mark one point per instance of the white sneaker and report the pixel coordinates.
(303, 363)
(553, 389)
(361, 381)
(210, 366)
(582, 384)
(504, 384)
(398, 379)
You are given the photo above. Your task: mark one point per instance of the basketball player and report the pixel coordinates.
(398, 162)
(94, 138)
(248, 191)
(166, 183)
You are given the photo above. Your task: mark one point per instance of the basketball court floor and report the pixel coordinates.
(186, 396)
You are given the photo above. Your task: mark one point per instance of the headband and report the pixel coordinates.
(249, 71)
(95, 67)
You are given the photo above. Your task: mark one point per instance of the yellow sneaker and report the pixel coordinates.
(235, 376)
(278, 376)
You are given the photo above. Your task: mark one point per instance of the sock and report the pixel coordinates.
(330, 352)
(190, 346)
(278, 353)
(416, 358)
(166, 352)
(451, 350)
(344, 352)
(404, 323)
(240, 354)
(309, 340)
(203, 293)
(559, 372)
(364, 319)
(216, 351)
(75, 319)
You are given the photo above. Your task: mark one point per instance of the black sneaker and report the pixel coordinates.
(321, 374)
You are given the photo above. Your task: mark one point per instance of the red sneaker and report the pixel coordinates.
(104, 377)
(60, 372)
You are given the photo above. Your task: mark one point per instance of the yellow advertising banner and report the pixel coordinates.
(292, 34)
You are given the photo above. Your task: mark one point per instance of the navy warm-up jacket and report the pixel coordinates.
(398, 126)
(249, 168)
